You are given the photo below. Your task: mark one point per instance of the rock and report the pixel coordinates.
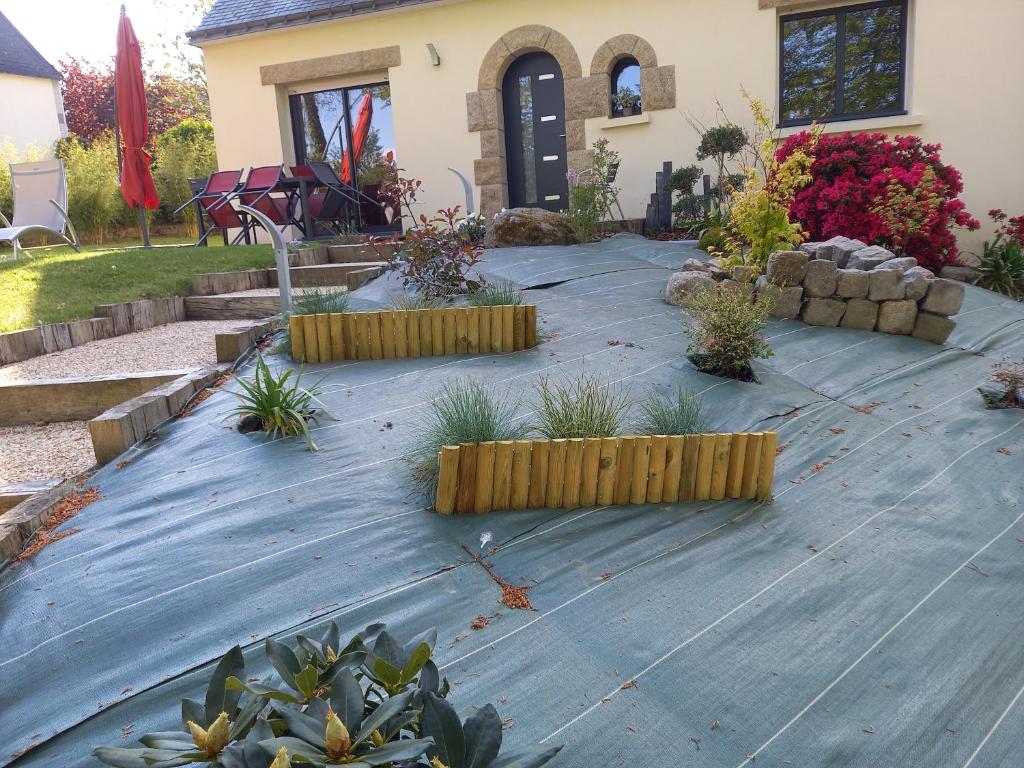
(915, 286)
(944, 297)
(897, 317)
(743, 274)
(682, 285)
(870, 257)
(745, 289)
(904, 263)
(787, 268)
(250, 423)
(861, 314)
(885, 285)
(932, 327)
(824, 312)
(718, 273)
(820, 280)
(528, 226)
(787, 300)
(837, 249)
(960, 274)
(852, 283)
(694, 265)
(926, 273)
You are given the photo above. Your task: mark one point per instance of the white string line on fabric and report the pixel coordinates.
(672, 550)
(753, 755)
(773, 584)
(994, 728)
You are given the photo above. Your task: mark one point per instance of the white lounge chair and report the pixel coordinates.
(40, 204)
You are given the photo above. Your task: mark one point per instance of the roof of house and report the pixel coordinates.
(18, 57)
(238, 17)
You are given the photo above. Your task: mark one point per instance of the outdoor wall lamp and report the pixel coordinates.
(435, 59)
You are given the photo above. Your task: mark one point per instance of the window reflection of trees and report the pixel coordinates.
(809, 67)
(874, 53)
(529, 150)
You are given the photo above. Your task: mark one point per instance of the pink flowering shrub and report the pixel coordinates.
(886, 191)
(1012, 229)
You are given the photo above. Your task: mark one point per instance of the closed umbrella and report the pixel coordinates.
(133, 121)
(359, 134)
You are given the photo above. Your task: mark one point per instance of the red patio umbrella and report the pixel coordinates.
(133, 120)
(359, 134)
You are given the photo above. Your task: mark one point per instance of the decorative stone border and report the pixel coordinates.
(398, 333)
(233, 344)
(475, 478)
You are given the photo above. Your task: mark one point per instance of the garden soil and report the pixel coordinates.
(871, 616)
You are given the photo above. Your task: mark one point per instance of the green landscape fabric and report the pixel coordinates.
(871, 616)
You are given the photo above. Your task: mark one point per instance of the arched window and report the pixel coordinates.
(626, 96)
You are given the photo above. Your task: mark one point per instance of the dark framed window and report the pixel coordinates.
(626, 75)
(843, 63)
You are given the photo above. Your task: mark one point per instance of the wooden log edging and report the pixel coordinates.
(400, 333)
(475, 478)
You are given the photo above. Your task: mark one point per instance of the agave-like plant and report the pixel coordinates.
(283, 406)
(373, 702)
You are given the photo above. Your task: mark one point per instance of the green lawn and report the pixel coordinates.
(54, 285)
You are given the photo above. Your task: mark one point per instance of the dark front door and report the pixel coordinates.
(535, 133)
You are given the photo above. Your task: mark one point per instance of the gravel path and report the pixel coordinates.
(166, 347)
(36, 453)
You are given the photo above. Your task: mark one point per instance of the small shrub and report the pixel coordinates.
(1001, 263)
(592, 193)
(473, 228)
(583, 408)
(665, 415)
(183, 152)
(688, 207)
(282, 406)
(319, 301)
(1006, 389)
(721, 142)
(496, 295)
(371, 701)
(464, 412)
(713, 240)
(724, 327)
(94, 195)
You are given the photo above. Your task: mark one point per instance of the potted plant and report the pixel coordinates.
(626, 101)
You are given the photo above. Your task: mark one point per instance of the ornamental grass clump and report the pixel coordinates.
(582, 408)
(676, 414)
(498, 294)
(281, 405)
(371, 701)
(724, 327)
(464, 412)
(319, 301)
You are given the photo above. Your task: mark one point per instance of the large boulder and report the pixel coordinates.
(869, 257)
(528, 226)
(934, 328)
(694, 265)
(861, 314)
(852, 283)
(960, 274)
(915, 286)
(837, 249)
(787, 268)
(926, 273)
(683, 285)
(824, 312)
(820, 280)
(787, 300)
(944, 297)
(885, 285)
(897, 317)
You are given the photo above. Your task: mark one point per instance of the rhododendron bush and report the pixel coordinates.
(895, 192)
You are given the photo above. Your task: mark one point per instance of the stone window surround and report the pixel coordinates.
(585, 97)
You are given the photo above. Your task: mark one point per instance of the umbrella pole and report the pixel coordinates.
(144, 227)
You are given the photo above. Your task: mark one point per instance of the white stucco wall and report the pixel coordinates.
(31, 112)
(965, 65)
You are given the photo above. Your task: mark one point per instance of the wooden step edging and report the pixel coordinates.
(400, 333)
(475, 478)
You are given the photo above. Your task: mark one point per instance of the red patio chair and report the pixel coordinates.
(258, 193)
(214, 202)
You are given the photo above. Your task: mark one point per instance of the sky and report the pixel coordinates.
(86, 29)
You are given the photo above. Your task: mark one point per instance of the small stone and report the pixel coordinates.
(745, 289)
(904, 263)
(897, 317)
(960, 274)
(837, 249)
(820, 280)
(787, 268)
(852, 283)
(787, 300)
(885, 285)
(870, 257)
(743, 274)
(926, 273)
(824, 312)
(694, 265)
(915, 286)
(861, 314)
(718, 273)
(682, 285)
(933, 328)
(944, 297)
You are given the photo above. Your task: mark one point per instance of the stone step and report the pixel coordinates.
(231, 307)
(307, 276)
(326, 275)
(12, 495)
(346, 254)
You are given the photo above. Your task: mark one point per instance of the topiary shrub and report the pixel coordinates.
(724, 326)
(895, 192)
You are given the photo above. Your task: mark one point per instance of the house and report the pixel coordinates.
(514, 93)
(32, 118)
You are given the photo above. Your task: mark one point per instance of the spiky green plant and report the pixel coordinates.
(319, 301)
(283, 405)
(496, 295)
(465, 411)
(661, 414)
(582, 408)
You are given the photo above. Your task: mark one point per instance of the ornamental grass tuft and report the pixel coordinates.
(319, 301)
(498, 294)
(679, 414)
(582, 408)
